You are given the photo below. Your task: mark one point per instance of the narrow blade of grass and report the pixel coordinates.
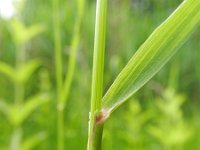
(153, 54)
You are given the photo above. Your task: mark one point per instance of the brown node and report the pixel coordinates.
(101, 117)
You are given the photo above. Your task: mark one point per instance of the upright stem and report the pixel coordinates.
(58, 66)
(73, 50)
(16, 139)
(96, 129)
(57, 42)
(19, 87)
(60, 129)
(19, 97)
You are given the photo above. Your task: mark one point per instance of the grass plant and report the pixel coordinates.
(152, 55)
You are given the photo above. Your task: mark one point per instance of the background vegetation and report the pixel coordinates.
(163, 115)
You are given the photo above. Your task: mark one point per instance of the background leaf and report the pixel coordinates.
(4, 108)
(32, 104)
(33, 141)
(22, 34)
(8, 71)
(17, 114)
(25, 71)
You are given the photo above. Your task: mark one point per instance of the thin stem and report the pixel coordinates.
(19, 97)
(62, 94)
(58, 49)
(19, 87)
(73, 50)
(16, 139)
(19, 94)
(95, 129)
(59, 80)
(60, 124)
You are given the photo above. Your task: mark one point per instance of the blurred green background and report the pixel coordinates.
(163, 115)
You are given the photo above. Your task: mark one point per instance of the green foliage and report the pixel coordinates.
(22, 74)
(17, 114)
(136, 120)
(33, 141)
(19, 111)
(22, 34)
(7, 70)
(170, 128)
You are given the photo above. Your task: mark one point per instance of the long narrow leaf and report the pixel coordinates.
(153, 54)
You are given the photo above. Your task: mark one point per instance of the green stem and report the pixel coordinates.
(73, 50)
(16, 139)
(60, 129)
(98, 132)
(19, 87)
(63, 89)
(58, 49)
(59, 80)
(174, 75)
(19, 94)
(96, 129)
(19, 97)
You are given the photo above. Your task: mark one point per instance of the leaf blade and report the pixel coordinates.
(153, 54)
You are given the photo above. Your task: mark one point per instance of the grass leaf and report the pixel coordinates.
(153, 54)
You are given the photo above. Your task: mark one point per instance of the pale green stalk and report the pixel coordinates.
(19, 97)
(59, 80)
(16, 139)
(95, 125)
(73, 51)
(19, 87)
(174, 74)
